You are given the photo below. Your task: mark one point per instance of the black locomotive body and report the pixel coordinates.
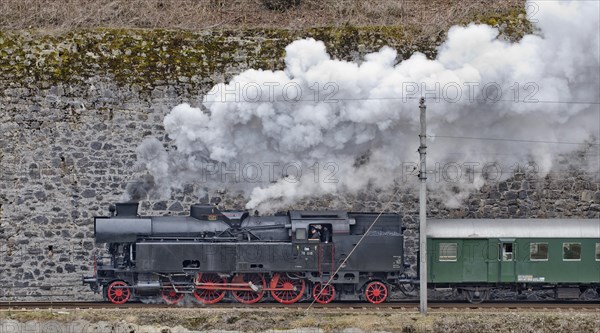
(302, 255)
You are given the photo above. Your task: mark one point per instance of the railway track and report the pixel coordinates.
(409, 306)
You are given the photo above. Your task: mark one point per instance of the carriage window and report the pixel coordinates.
(538, 251)
(448, 251)
(597, 251)
(301, 233)
(571, 251)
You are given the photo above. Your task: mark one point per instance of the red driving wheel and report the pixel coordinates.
(249, 296)
(209, 296)
(294, 289)
(376, 292)
(118, 292)
(324, 294)
(170, 296)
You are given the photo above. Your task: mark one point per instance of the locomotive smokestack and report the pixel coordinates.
(127, 209)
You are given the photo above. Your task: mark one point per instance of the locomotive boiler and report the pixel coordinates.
(214, 255)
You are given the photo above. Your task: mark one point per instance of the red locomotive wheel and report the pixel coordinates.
(322, 294)
(118, 292)
(295, 289)
(170, 296)
(209, 296)
(246, 296)
(376, 292)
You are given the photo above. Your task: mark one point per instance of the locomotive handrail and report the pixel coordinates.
(228, 231)
(191, 269)
(240, 287)
(206, 240)
(195, 239)
(266, 227)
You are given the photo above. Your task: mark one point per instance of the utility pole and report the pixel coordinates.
(423, 213)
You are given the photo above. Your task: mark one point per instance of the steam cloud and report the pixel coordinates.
(362, 129)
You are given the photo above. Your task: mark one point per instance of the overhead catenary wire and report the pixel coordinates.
(404, 98)
(513, 140)
(585, 153)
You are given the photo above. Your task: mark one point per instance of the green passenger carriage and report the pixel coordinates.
(476, 256)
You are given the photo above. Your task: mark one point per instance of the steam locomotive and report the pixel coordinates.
(323, 256)
(213, 254)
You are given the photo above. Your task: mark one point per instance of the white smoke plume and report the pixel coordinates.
(488, 100)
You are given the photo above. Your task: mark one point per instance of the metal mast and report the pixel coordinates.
(423, 213)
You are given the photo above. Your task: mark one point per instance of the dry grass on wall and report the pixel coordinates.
(434, 15)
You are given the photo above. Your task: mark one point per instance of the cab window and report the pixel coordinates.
(448, 251)
(300, 233)
(571, 251)
(597, 251)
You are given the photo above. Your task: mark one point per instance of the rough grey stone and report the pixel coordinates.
(161, 205)
(88, 193)
(96, 145)
(176, 207)
(70, 268)
(40, 195)
(510, 195)
(586, 195)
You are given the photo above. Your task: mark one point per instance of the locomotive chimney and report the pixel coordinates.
(127, 209)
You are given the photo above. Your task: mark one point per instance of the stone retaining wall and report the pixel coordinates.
(74, 107)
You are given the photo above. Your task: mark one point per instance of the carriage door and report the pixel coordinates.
(474, 266)
(506, 260)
